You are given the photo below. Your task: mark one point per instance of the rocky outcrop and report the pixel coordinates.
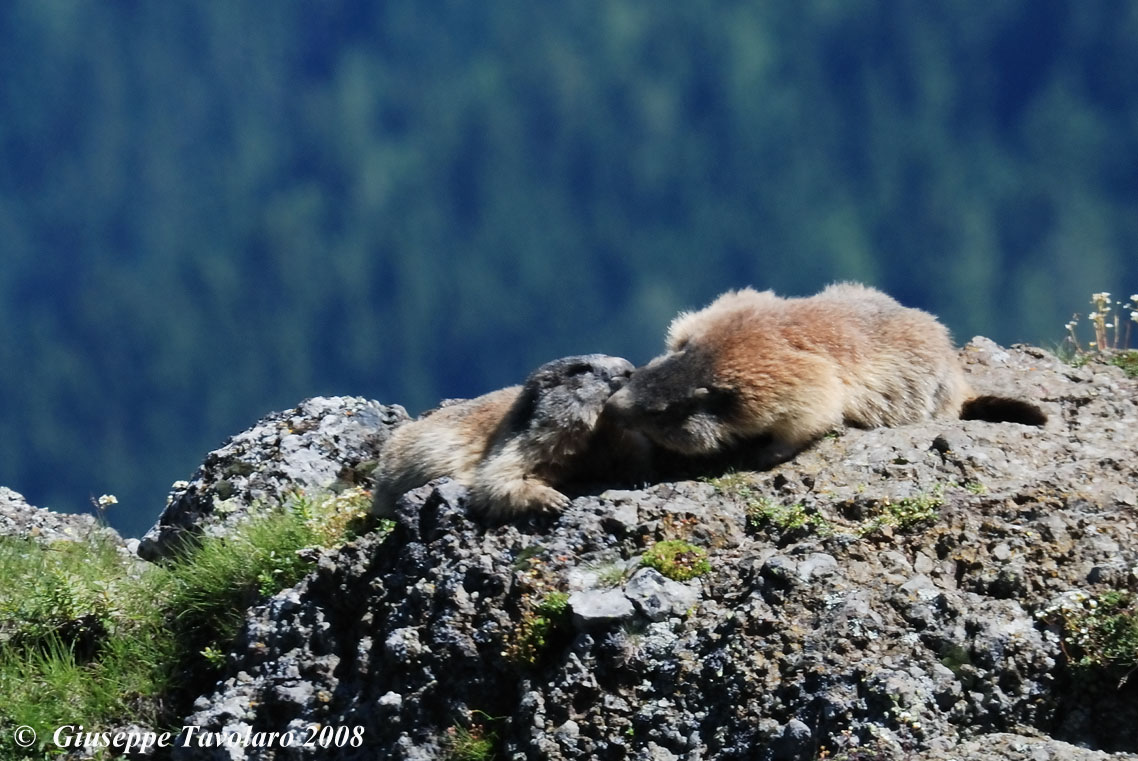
(887, 594)
(322, 444)
(19, 519)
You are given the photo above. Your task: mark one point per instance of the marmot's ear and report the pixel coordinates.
(705, 392)
(544, 379)
(714, 399)
(578, 368)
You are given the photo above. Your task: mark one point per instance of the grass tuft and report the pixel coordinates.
(904, 514)
(677, 559)
(1100, 631)
(91, 635)
(539, 624)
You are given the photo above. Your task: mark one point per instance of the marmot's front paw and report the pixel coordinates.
(548, 499)
(524, 496)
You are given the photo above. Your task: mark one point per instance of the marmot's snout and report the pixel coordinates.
(619, 379)
(620, 406)
(615, 371)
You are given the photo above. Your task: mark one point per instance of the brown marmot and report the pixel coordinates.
(513, 447)
(754, 366)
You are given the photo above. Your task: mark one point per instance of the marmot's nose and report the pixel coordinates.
(619, 405)
(618, 380)
(618, 366)
(616, 370)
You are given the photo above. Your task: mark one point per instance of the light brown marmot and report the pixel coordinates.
(756, 366)
(513, 447)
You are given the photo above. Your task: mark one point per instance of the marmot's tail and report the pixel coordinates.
(1001, 409)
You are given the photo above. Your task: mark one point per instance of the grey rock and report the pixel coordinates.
(926, 641)
(816, 564)
(594, 609)
(325, 443)
(19, 519)
(657, 597)
(796, 743)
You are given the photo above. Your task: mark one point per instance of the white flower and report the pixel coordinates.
(107, 500)
(1134, 316)
(1134, 297)
(179, 485)
(1092, 316)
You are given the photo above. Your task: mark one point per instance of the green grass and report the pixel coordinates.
(1100, 631)
(80, 636)
(1127, 360)
(610, 575)
(677, 559)
(763, 510)
(474, 744)
(905, 514)
(90, 636)
(537, 627)
(732, 484)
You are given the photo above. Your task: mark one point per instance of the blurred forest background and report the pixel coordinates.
(209, 211)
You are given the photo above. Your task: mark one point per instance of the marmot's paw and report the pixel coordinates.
(531, 496)
(548, 499)
(516, 498)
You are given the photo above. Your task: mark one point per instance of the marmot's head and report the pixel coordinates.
(562, 400)
(676, 401)
(692, 400)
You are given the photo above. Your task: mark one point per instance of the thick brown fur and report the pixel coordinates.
(512, 448)
(753, 366)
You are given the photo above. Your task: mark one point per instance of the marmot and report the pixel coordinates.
(514, 446)
(756, 366)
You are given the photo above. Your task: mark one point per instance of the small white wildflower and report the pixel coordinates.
(1092, 316)
(1134, 316)
(1092, 603)
(107, 500)
(1134, 297)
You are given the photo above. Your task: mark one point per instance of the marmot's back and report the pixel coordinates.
(752, 365)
